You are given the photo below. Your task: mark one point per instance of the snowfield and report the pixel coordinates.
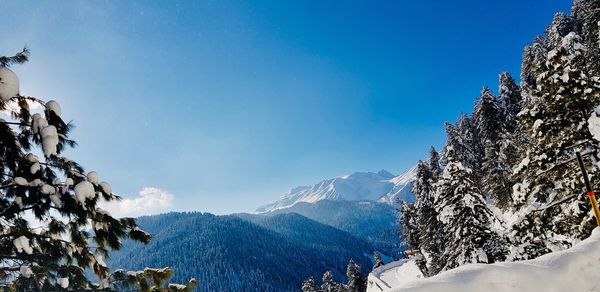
(575, 269)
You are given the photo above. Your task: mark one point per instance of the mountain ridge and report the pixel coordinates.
(381, 186)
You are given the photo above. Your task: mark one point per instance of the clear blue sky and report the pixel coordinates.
(227, 104)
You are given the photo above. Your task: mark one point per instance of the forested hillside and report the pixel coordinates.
(312, 234)
(373, 221)
(226, 253)
(507, 185)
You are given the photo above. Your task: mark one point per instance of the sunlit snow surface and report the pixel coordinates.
(393, 274)
(575, 269)
(594, 123)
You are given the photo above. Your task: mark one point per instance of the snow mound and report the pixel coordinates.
(9, 84)
(53, 106)
(594, 123)
(393, 274)
(574, 269)
(379, 186)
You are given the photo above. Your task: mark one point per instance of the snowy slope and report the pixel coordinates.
(393, 274)
(575, 269)
(360, 186)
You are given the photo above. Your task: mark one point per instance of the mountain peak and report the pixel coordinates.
(381, 187)
(385, 173)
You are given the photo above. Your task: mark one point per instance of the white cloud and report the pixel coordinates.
(150, 201)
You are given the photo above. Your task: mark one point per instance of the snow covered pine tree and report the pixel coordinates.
(420, 222)
(329, 285)
(464, 213)
(566, 93)
(310, 285)
(357, 282)
(378, 261)
(491, 127)
(51, 228)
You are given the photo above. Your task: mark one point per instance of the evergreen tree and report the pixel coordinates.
(69, 232)
(423, 185)
(432, 235)
(509, 95)
(514, 141)
(430, 238)
(378, 261)
(489, 117)
(534, 57)
(310, 285)
(468, 144)
(556, 121)
(491, 127)
(587, 13)
(408, 222)
(329, 285)
(561, 26)
(434, 164)
(357, 282)
(465, 216)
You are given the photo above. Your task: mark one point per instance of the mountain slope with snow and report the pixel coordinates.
(381, 187)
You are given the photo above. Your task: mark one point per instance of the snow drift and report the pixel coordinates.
(575, 269)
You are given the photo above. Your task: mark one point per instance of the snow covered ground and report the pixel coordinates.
(575, 269)
(392, 275)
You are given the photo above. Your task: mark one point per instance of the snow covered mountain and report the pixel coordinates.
(381, 187)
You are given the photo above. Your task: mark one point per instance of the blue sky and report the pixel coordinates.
(228, 104)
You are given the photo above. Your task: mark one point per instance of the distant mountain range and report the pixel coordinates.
(362, 204)
(308, 231)
(381, 186)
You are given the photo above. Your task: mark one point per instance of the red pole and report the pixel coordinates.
(588, 187)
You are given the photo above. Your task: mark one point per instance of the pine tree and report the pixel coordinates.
(434, 164)
(70, 233)
(561, 26)
(378, 261)
(489, 117)
(509, 95)
(356, 280)
(534, 57)
(465, 216)
(556, 120)
(468, 144)
(587, 13)
(491, 127)
(430, 238)
(329, 285)
(514, 141)
(408, 221)
(310, 285)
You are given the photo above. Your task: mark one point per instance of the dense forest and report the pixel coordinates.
(372, 221)
(506, 185)
(227, 253)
